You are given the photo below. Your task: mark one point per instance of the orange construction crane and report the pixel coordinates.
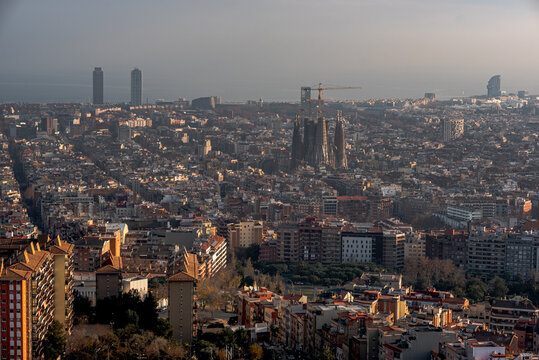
(321, 88)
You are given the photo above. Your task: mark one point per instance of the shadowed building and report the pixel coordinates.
(182, 296)
(136, 87)
(494, 86)
(98, 86)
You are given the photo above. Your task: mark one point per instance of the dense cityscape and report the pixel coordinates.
(269, 180)
(311, 229)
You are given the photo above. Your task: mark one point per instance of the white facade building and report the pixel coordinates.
(356, 248)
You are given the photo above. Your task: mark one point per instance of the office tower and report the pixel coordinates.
(136, 87)
(494, 86)
(297, 144)
(98, 86)
(182, 296)
(339, 144)
(452, 129)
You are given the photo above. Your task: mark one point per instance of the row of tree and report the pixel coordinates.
(444, 275)
(317, 274)
(422, 274)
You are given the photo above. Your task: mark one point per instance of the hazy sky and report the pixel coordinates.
(244, 49)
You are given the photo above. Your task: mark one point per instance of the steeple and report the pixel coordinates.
(339, 144)
(297, 145)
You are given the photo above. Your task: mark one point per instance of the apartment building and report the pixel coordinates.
(486, 253)
(182, 297)
(35, 290)
(503, 315)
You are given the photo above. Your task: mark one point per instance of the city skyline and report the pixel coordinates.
(200, 49)
(288, 179)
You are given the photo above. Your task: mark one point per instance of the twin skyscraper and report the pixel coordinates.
(136, 86)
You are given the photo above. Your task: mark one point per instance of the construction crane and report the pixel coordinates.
(321, 88)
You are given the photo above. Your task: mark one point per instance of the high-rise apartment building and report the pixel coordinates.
(331, 245)
(34, 291)
(522, 255)
(310, 241)
(486, 254)
(244, 234)
(62, 253)
(330, 205)
(451, 244)
(494, 86)
(136, 87)
(393, 244)
(287, 242)
(98, 86)
(452, 129)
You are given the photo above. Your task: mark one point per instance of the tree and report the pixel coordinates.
(476, 289)
(205, 350)
(148, 313)
(248, 269)
(82, 306)
(497, 288)
(255, 352)
(162, 328)
(326, 354)
(241, 338)
(55, 341)
(248, 281)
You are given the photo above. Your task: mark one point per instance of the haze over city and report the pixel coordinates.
(247, 49)
(269, 180)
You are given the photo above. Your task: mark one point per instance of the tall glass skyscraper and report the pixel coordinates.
(98, 85)
(136, 87)
(494, 86)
